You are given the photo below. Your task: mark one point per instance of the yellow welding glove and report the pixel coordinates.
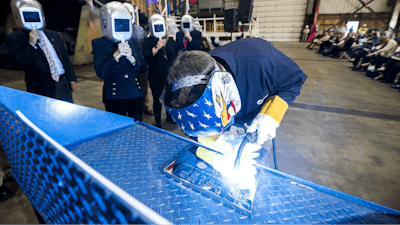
(268, 119)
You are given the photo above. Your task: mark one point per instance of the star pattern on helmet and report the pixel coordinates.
(209, 87)
(207, 115)
(179, 116)
(183, 126)
(191, 125)
(218, 124)
(208, 102)
(195, 105)
(203, 125)
(191, 114)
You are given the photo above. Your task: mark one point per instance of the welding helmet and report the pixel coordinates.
(157, 26)
(28, 14)
(214, 111)
(116, 22)
(187, 23)
(131, 10)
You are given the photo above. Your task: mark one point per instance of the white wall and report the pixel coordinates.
(349, 6)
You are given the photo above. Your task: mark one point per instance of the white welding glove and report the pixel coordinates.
(265, 126)
(125, 50)
(229, 145)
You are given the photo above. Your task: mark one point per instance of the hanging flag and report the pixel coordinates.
(149, 2)
(193, 1)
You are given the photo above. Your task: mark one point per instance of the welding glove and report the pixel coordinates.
(266, 122)
(228, 146)
(125, 50)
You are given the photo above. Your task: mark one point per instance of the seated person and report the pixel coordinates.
(369, 43)
(327, 44)
(363, 52)
(389, 71)
(379, 57)
(345, 45)
(318, 39)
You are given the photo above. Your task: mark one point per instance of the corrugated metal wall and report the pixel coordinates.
(280, 20)
(349, 6)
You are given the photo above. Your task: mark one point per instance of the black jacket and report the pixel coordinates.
(162, 61)
(195, 44)
(34, 63)
(120, 78)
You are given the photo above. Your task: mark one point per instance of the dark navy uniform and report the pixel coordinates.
(260, 70)
(121, 91)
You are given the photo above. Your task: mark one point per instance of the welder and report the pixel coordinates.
(248, 84)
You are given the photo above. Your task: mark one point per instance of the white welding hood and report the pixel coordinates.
(131, 9)
(116, 22)
(187, 23)
(28, 14)
(157, 26)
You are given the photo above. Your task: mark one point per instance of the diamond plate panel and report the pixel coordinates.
(132, 159)
(60, 190)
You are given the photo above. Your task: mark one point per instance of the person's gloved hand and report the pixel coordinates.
(228, 145)
(125, 50)
(161, 43)
(33, 37)
(188, 36)
(265, 126)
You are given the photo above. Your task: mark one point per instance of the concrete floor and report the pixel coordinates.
(341, 132)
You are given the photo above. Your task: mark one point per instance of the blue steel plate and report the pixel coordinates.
(132, 159)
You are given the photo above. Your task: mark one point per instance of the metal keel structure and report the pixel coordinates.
(81, 165)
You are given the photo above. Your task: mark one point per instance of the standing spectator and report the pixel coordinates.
(188, 38)
(159, 54)
(306, 32)
(40, 53)
(117, 60)
(139, 33)
(314, 29)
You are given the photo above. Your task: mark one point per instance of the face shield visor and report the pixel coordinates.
(28, 14)
(116, 22)
(157, 26)
(214, 111)
(131, 9)
(187, 22)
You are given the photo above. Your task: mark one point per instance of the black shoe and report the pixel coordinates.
(352, 67)
(362, 69)
(396, 86)
(5, 193)
(148, 112)
(159, 125)
(355, 68)
(384, 81)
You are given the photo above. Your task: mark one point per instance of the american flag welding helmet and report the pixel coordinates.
(214, 111)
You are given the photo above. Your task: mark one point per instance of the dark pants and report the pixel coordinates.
(157, 87)
(143, 80)
(132, 107)
(376, 60)
(336, 50)
(324, 45)
(358, 57)
(63, 91)
(392, 69)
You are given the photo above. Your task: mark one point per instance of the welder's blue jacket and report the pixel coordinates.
(260, 71)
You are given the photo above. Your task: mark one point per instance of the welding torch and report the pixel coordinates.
(249, 138)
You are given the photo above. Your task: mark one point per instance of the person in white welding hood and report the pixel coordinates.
(248, 83)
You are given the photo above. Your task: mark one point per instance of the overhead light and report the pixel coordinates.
(355, 15)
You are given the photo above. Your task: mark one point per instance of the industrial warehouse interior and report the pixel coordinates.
(334, 158)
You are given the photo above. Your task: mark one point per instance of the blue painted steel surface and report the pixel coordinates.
(132, 159)
(66, 123)
(60, 189)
